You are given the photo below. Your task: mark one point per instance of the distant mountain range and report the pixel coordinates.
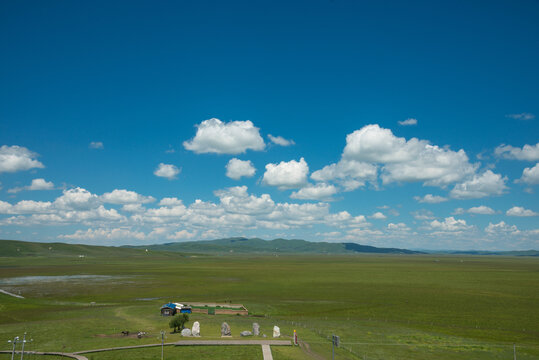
(255, 245)
(236, 245)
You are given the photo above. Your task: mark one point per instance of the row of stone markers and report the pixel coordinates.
(226, 331)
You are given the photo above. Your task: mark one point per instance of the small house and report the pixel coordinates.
(168, 309)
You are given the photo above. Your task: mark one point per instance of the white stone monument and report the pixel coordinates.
(196, 329)
(276, 331)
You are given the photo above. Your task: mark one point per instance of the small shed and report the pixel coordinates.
(168, 309)
(185, 310)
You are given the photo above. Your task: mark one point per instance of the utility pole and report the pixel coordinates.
(335, 342)
(23, 342)
(162, 343)
(15, 339)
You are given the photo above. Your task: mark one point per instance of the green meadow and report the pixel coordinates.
(381, 306)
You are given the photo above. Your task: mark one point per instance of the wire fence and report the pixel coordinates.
(347, 345)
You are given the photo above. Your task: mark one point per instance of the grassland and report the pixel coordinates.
(382, 306)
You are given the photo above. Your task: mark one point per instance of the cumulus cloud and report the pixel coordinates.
(237, 200)
(279, 140)
(408, 122)
(479, 210)
(286, 175)
(486, 184)
(450, 224)
(77, 199)
(123, 197)
(527, 152)
(320, 191)
(501, 228)
(430, 199)
(104, 234)
(423, 214)
(350, 174)
(25, 207)
(181, 235)
(37, 184)
(170, 201)
(520, 211)
(237, 168)
(407, 160)
(96, 145)
(521, 116)
(530, 175)
(17, 158)
(378, 216)
(235, 137)
(167, 171)
(399, 227)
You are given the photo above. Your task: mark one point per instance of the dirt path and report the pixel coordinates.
(307, 350)
(11, 294)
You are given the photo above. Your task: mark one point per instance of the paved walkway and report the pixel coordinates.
(266, 350)
(68, 355)
(234, 342)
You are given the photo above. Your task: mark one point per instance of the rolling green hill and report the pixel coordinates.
(256, 245)
(14, 248)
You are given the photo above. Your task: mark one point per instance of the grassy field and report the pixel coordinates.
(383, 307)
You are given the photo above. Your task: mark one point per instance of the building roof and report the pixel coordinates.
(169, 305)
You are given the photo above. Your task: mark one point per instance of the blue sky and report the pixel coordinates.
(137, 122)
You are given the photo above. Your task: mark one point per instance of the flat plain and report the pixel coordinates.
(381, 306)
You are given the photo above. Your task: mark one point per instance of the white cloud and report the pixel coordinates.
(124, 197)
(320, 191)
(77, 199)
(25, 207)
(408, 122)
(96, 145)
(430, 199)
(235, 137)
(236, 200)
(170, 201)
(378, 216)
(104, 234)
(133, 208)
(501, 228)
(527, 152)
(531, 175)
(167, 171)
(41, 184)
(478, 210)
(399, 227)
(481, 210)
(17, 158)
(286, 175)
(37, 184)
(520, 211)
(279, 140)
(407, 161)
(182, 234)
(423, 214)
(449, 224)
(486, 184)
(521, 116)
(350, 174)
(237, 168)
